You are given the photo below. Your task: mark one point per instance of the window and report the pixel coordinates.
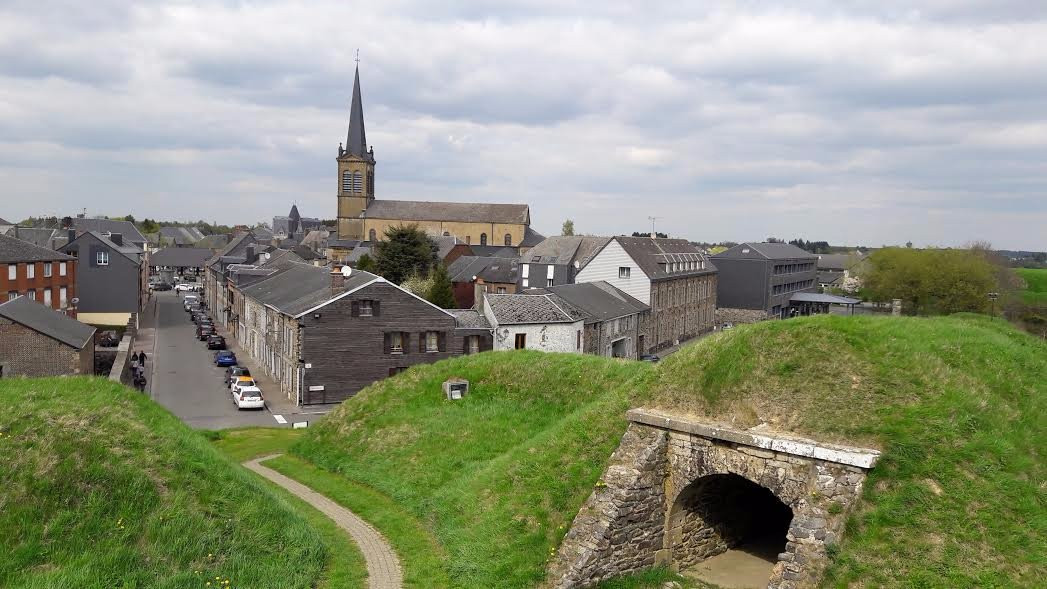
(432, 341)
(525, 271)
(508, 239)
(501, 290)
(524, 283)
(30, 270)
(366, 309)
(347, 181)
(32, 295)
(549, 282)
(468, 239)
(536, 259)
(358, 183)
(47, 297)
(12, 271)
(472, 344)
(372, 235)
(447, 233)
(102, 258)
(623, 271)
(12, 295)
(396, 342)
(48, 269)
(63, 299)
(521, 341)
(483, 239)
(579, 339)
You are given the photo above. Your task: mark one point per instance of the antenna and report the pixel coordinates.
(653, 219)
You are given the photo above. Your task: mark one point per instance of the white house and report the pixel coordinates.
(543, 322)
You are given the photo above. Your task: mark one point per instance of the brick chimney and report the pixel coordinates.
(117, 238)
(479, 289)
(337, 280)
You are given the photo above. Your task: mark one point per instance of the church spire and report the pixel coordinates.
(356, 143)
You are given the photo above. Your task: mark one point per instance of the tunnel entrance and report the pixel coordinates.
(727, 530)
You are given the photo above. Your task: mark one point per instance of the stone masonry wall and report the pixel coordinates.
(658, 502)
(25, 352)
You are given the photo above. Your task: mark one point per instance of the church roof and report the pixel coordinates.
(462, 212)
(356, 141)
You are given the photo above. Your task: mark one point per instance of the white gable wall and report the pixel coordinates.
(605, 267)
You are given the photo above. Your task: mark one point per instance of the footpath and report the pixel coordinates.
(383, 566)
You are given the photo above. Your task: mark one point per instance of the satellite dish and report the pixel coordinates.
(74, 300)
(576, 264)
(347, 271)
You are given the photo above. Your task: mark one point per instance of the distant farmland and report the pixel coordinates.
(1036, 281)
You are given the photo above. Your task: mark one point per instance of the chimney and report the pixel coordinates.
(337, 280)
(654, 235)
(249, 256)
(479, 289)
(116, 238)
(70, 235)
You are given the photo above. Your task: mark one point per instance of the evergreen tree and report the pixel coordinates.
(568, 228)
(366, 263)
(406, 251)
(441, 293)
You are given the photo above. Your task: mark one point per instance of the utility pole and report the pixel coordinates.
(992, 298)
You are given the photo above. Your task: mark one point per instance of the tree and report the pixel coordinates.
(366, 263)
(129, 218)
(418, 285)
(568, 228)
(932, 281)
(406, 251)
(441, 292)
(648, 234)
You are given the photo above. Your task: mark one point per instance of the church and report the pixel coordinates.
(363, 218)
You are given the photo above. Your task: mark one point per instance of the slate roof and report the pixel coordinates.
(3, 222)
(825, 277)
(356, 139)
(47, 321)
(213, 242)
(489, 269)
(191, 257)
(464, 212)
(234, 249)
(649, 253)
(36, 235)
(306, 253)
(16, 250)
(839, 261)
(181, 235)
(446, 243)
(817, 297)
(599, 300)
(127, 250)
(768, 251)
(125, 228)
(531, 238)
(470, 319)
(519, 309)
(300, 287)
(565, 250)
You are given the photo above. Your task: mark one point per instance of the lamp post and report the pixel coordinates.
(992, 299)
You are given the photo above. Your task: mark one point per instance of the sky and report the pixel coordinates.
(851, 122)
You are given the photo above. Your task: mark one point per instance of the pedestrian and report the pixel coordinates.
(134, 359)
(141, 358)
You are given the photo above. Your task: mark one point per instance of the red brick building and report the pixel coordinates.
(42, 274)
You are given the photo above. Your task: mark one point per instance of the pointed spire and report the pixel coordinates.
(356, 143)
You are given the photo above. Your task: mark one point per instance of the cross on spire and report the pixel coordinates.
(357, 57)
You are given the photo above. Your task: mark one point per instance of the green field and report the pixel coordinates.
(1036, 285)
(100, 487)
(957, 405)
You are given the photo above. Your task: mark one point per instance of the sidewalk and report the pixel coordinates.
(145, 340)
(275, 399)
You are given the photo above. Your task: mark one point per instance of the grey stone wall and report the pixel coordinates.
(25, 352)
(739, 316)
(675, 498)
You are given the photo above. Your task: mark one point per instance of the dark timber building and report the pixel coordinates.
(764, 276)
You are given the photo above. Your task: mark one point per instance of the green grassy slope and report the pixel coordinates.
(1036, 284)
(99, 487)
(957, 405)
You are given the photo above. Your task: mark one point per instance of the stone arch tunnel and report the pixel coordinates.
(679, 491)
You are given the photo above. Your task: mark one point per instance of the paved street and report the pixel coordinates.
(186, 381)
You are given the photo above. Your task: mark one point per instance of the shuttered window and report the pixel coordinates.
(358, 183)
(347, 181)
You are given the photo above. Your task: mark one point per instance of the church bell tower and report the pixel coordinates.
(355, 171)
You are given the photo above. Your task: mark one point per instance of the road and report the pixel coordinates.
(186, 381)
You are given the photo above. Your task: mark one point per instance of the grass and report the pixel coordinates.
(956, 404)
(100, 487)
(1036, 284)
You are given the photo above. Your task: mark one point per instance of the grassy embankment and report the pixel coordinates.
(1035, 279)
(100, 487)
(957, 405)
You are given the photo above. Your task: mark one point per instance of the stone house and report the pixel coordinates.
(39, 341)
(111, 277)
(765, 277)
(240, 250)
(614, 321)
(672, 276)
(542, 322)
(39, 273)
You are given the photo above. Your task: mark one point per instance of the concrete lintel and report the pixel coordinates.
(860, 457)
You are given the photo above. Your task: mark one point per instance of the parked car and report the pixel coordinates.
(649, 358)
(248, 398)
(204, 331)
(243, 381)
(187, 287)
(108, 339)
(162, 286)
(224, 358)
(199, 316)
(234, 372)
(215, 342)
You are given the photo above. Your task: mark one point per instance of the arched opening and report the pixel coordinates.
(508, 239)
(372, 235)
(727, 530)
(483, 239)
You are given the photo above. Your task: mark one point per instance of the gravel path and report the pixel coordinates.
(383, 566)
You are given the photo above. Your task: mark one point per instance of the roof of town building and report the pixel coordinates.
(181, 235)
(300, 287)
(462, 212)
(599, 300)
(15, 250)
(54, 324)
(35, 235)
(655, 255)
(470, 319)
(518, 309)
(839, 261)
(565, 250)
(3, 222)
(129, 251)
(769, 251)
(181, 257)
(466, 268)
(125, 228)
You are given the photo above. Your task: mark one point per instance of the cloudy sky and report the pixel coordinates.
(852, 122)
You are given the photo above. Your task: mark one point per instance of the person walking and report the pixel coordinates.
(134, 360)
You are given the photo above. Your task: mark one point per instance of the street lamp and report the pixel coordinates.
(992, 298)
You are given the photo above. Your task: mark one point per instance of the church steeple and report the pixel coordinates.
(356, 141)
(355, 171)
